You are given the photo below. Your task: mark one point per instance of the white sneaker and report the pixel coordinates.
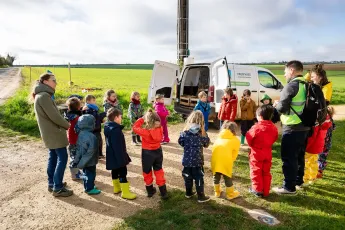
(282, 191)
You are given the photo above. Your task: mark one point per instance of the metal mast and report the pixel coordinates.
(182, 30)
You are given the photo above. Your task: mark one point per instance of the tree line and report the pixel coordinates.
(7, 60)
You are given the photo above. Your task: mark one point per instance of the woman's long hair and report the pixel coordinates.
(319, 70)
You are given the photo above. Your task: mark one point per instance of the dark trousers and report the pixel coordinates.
(245, 126)
(120, 173)
(227, 180)
(100, 143)
(89, 177)
(194, 173)
(293, 146)
(153, 159)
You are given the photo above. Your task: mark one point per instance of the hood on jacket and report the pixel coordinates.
(71, 115)
(232, 98)
(194, 128)
(226, 134)
(111, 125)
(40, 87)
(86, 123)
(266, 97)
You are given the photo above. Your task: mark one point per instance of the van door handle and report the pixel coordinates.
(262, 91)
(233, 89)
(254, 91)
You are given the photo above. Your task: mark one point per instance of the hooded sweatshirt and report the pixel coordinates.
(87, 144)
(51, 123)
(193, 144)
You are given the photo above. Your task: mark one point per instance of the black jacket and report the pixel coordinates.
(116, 152)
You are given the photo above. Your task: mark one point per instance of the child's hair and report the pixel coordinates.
(229, 91)
(196, 117)
(112, 113)
(265, 111)
(330, 111)
(108, 94)
(134, 94)
(202, 94)
(247, 92)
(232, 126)
(150, 118)
(89, 97)
(159, 96)
(73, 103)
(318, 69)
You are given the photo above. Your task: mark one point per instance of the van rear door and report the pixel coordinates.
(221, 80)
(164, 77)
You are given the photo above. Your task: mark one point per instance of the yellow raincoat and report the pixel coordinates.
(224, 153)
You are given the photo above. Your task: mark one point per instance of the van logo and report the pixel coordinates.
(244, 75)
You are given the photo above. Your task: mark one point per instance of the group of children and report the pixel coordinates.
(150, 129)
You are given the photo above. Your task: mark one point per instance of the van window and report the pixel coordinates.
(267, 80)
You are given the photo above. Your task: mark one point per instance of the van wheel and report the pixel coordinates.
(216, 123)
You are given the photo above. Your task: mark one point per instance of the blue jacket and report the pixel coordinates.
(116, 155)
(87, 145)
(204, 107)
(193, 143)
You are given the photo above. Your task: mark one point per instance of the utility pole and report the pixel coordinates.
(182, 31)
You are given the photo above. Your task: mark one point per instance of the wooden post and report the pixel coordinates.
(70, 75)
(30, 73)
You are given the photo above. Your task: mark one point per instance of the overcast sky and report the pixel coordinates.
(138, 31)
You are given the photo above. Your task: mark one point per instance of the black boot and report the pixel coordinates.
(134, 140)
(201, 195)
(189, 192)
(138, 139)
(163, 190)
(150, 190)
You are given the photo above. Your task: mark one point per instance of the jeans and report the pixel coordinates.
(57, 162)
(293, 146)
(89, 177)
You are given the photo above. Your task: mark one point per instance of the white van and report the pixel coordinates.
(212, 78)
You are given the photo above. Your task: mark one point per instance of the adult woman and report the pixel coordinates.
(53, 132)
(318, 76)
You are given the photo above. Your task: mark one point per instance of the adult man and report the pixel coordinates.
(294, 135)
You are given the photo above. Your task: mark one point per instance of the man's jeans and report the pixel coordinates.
(293, 146)
(56, 167)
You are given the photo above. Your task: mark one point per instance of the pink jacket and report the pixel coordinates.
(161, 110)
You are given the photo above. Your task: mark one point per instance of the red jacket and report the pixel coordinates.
(228, 109)
(71, 134)
(151, 137)
(317, 141)
(260, 139)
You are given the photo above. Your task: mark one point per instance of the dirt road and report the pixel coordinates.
(9, 82)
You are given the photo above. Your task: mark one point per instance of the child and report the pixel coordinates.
(204, 107)
(111, 101)
(163, 113)
(193, 139)
(228, 108)
(87, 153)
(266, 100)
(91, 108)
(315, 146)
(135, 111)
(152, 155)
(72, 115)
(247, 113)
(224, 154)
(116, 153)
(260, 139)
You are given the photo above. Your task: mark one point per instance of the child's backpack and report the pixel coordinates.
(315, 109)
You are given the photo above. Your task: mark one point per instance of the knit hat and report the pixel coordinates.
(266, 97)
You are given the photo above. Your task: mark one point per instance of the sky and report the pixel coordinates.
(138, 31)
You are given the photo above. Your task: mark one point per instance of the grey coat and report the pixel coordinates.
(50, 122)
(87, 144)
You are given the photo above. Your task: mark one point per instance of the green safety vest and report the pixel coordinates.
(297, 103)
